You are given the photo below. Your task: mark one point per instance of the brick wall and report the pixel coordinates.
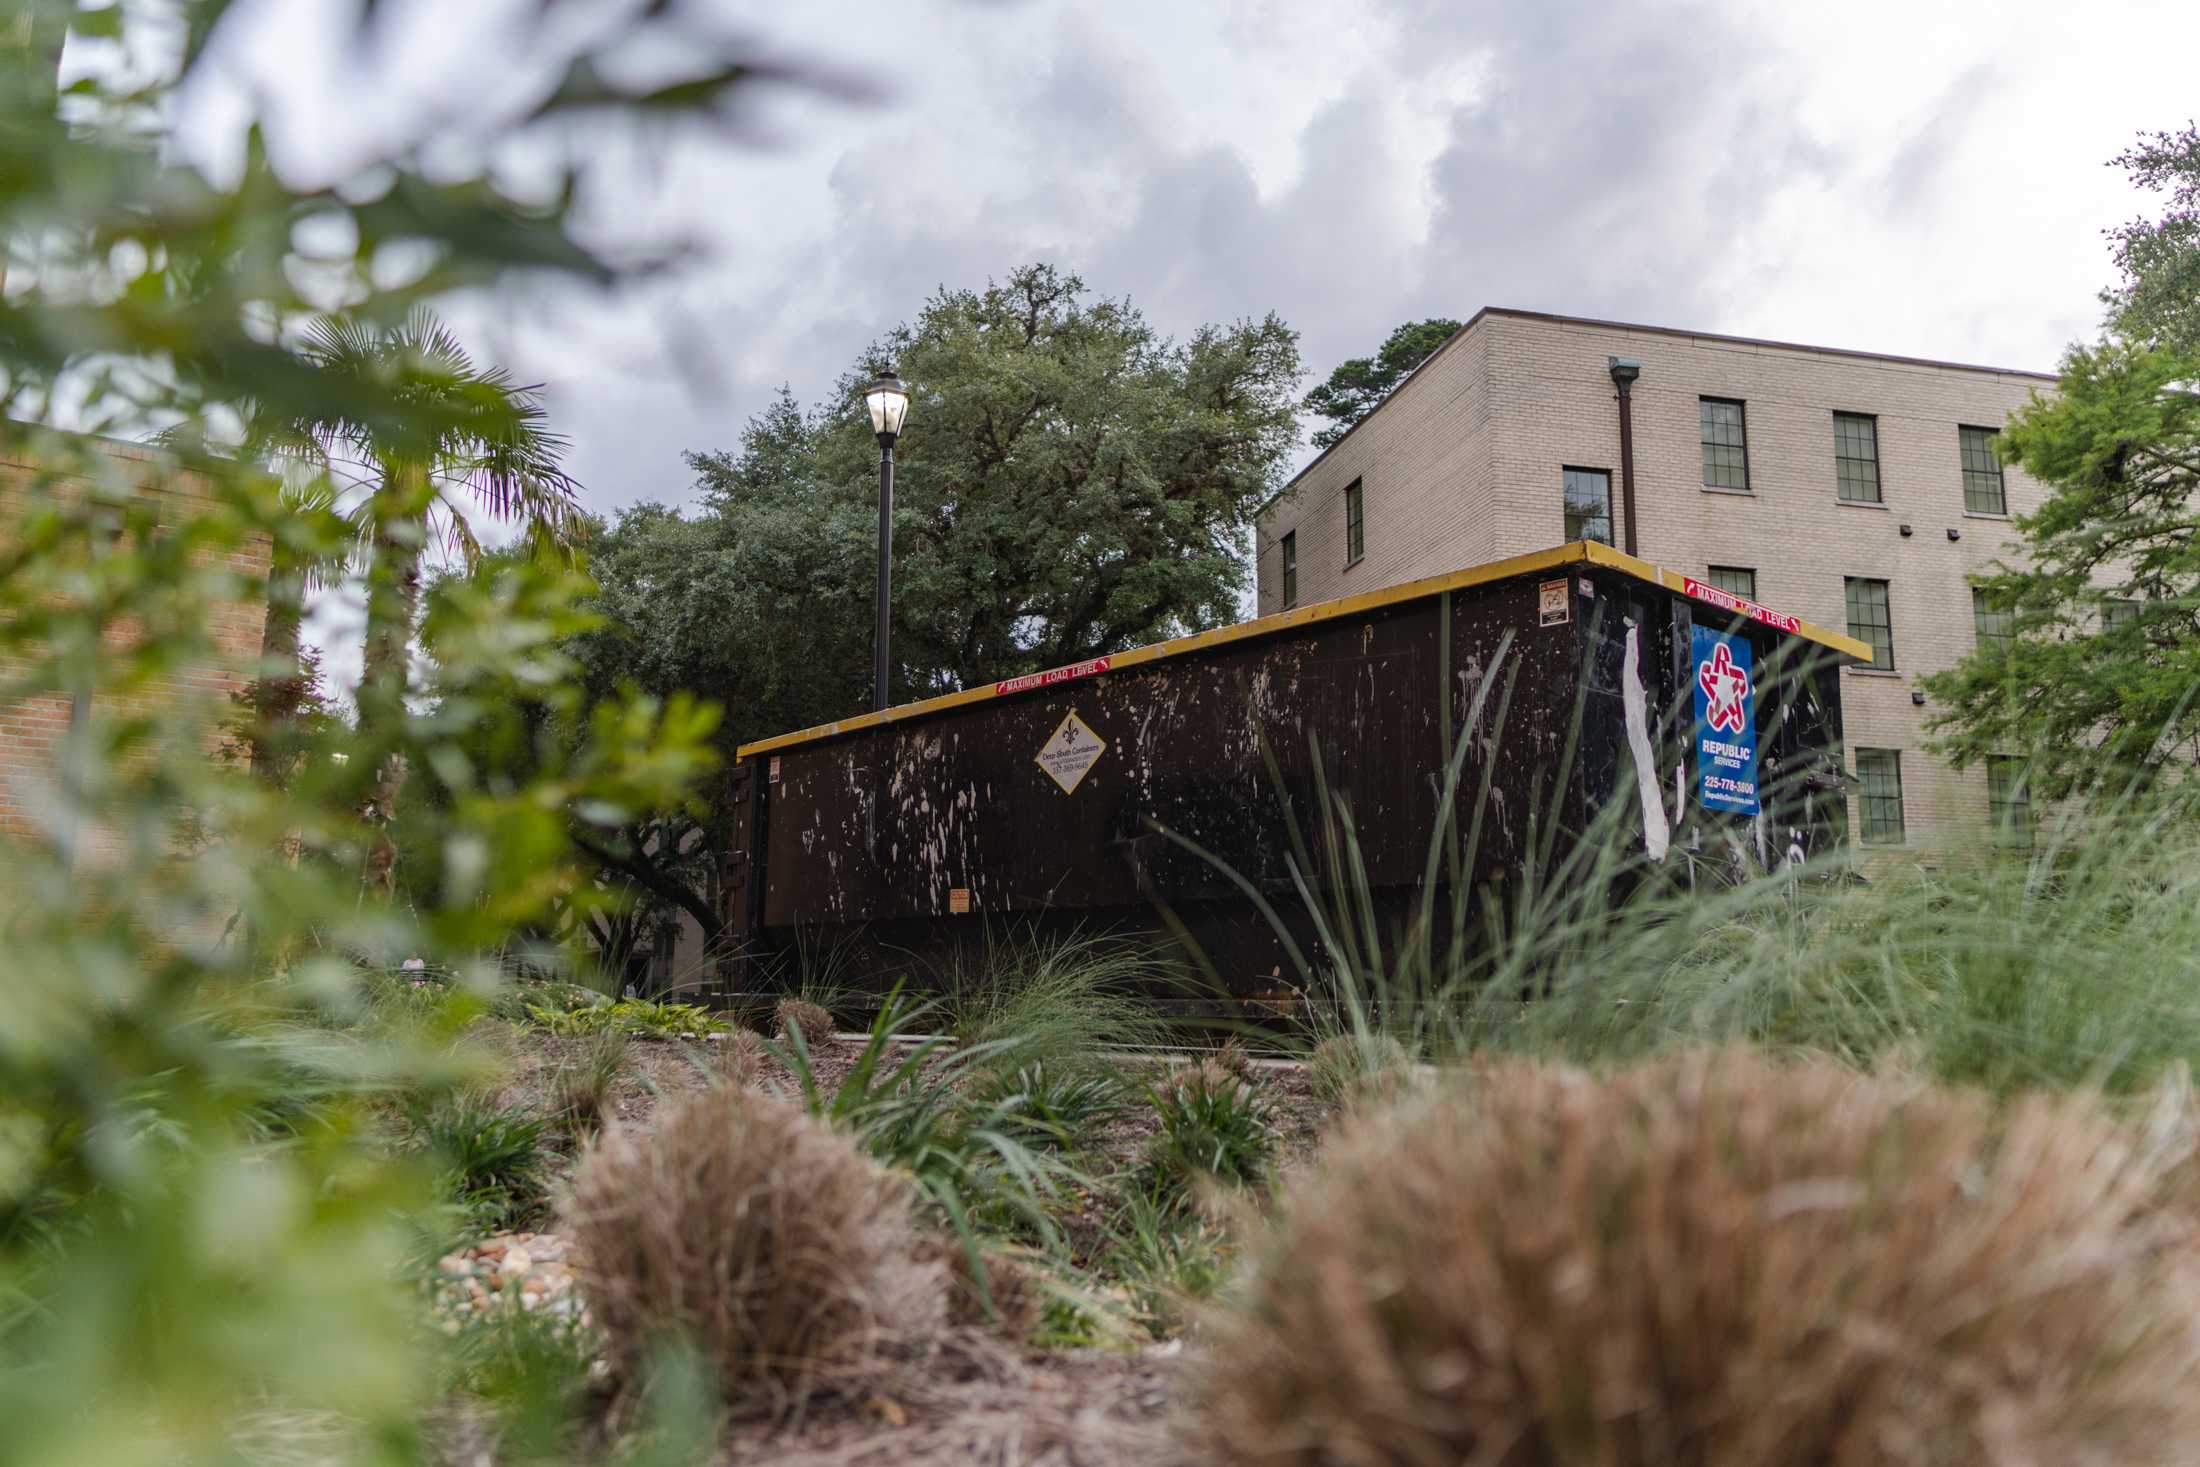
(1462, 465)
(32, 730)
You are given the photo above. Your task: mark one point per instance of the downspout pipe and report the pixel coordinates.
(1624, 371)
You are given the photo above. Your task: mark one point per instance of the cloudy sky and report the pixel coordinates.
(1909, 176)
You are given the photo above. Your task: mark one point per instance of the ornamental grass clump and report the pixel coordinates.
(1215, 1128)
(763, 1238)
(1720, 1261)
(814, 1022)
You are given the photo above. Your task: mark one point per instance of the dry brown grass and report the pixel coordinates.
(1235, 1058)
(1715, 1260)
(768, 1239)
(738, 1058)
(1355, 1069)
(1009, 1304)
(816, 1024)
(1206, 1074)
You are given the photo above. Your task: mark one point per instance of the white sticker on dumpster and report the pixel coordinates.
(1071, 752)
(1552, 608)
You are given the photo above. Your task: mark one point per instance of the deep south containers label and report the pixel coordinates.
(1726, 723)
(1070, 752)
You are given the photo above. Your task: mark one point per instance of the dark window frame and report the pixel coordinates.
(1992, 628)
(1981, 469)
(2008, 801)
(1862, 630)
(1355, 523)
(1724, 457)
(1714, 572)
(1569, 522)
(1880, 817)
(1289, 557)
(1843, 474)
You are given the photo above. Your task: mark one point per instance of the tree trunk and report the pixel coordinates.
(393, 600)
(280, 690)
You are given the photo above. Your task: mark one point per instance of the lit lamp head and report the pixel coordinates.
(888, 401)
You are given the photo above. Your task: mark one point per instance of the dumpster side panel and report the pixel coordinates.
(910, 828)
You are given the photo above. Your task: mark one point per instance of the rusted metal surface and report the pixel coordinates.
(1070, 801)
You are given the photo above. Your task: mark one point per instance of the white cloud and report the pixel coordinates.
(1922, 179)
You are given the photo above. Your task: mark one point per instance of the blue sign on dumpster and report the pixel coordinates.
(1726, 723)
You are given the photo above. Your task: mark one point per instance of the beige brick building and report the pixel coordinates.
(1837, 485)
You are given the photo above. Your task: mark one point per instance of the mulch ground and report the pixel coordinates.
(975, 1399)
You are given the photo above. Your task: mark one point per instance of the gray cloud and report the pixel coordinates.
(1774, 170)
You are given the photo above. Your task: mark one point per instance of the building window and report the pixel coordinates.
(1879, 801)
(1856, 457)
(1725, 443)
(1982, 488)
(1290, 570)
(1871, 621)
(2008, 802)
(1355, 523)
(2118, 611)
(1588, 505)
(1996, 629)
(1736, 580)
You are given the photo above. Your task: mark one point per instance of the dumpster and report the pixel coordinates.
(1144, 792)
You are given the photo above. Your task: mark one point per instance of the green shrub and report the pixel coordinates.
(1214, 1126)
(1718, 1260)
(970, 1154)
(1167, 1259)
(1058, 1001)
(493, 1159)
(528, 1368)
(1055, 1104)
(629, 1016)
(581, 1087)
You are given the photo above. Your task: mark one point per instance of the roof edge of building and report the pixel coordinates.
(1521, 314)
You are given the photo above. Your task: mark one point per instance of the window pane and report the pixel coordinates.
(1982, 488)
(1995, 628)
(1735, 580)
(1291, 569)
(1725, 444)
(1870, 619)
(1588, 496)
(2118, 611)
(1856, 456)
(1355, 523)
(2008, 802)
(1879, 796)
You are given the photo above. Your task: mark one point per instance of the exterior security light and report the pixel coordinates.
(888, 401)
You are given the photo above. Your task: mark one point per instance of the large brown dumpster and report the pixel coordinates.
(1112, 795)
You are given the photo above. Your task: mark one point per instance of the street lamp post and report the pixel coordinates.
(888, 401)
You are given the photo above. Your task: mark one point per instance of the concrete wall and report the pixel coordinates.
(1463, 463)
(32, 730)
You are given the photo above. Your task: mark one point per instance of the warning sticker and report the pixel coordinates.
(958, 900)
(1551, 604)
(1071, 752)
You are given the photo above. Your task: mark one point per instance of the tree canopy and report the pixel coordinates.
(1070, 484)
(2159, 300)
(2096, 679)
(1357, 385)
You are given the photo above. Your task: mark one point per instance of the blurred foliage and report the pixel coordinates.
(202, 1224)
